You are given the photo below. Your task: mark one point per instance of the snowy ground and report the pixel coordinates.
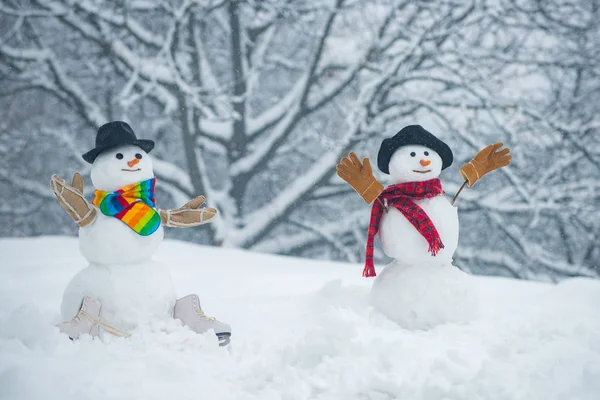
(301, 330)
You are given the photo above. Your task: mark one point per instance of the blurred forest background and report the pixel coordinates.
(253, 102)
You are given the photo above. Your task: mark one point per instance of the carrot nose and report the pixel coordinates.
(425, 162)
(133, 162)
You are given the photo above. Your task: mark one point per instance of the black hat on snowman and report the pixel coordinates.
(114, 134)
(412, 134)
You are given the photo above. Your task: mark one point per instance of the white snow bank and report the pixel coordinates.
(301, 330)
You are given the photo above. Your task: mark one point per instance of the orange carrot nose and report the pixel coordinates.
(133, 162)
(425, 162)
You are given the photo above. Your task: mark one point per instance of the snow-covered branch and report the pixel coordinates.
(257, 101)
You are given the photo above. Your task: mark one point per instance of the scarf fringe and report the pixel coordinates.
(369, 271)
(436, 246)
(434, 249)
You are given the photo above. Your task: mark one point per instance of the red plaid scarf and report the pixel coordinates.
(401, 197)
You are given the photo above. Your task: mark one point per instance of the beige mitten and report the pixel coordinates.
(485, 161)
(72, 200)
(360, 177)
(189, 215)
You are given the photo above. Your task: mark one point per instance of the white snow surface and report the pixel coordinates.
(302, 329)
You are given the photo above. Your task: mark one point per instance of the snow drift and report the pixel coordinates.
(301, 330)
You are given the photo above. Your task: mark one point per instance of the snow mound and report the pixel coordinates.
(301, 330)
(425, 296)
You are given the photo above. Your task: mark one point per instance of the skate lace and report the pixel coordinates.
(108, 328)
(204, 316)
(77, 318)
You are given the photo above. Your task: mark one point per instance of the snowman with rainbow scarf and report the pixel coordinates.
(122, 288)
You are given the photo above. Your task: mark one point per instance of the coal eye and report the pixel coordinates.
(413, 154)
(119, 156)
(138, 156)
(426, 153)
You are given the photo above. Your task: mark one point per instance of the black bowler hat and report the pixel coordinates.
(113, 134)
(412, 134)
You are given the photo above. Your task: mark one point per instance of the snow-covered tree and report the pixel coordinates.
(253, 102)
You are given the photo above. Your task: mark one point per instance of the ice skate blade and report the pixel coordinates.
(224, 339)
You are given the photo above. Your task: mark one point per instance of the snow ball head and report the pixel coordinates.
(414, 163)
(121, 166)
(119, 157)
(413, 135)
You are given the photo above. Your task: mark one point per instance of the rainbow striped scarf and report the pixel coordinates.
(133, 204)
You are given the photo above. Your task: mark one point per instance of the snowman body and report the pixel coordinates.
(423, 296)
(132, 289)
(418, 290)
(401, 241)
(109, 241)
(131, 294)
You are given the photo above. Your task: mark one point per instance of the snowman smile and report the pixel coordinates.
(131, 170)
(421, 172)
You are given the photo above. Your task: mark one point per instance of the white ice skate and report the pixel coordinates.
(84, 322)
(87, 321)
(188, 310)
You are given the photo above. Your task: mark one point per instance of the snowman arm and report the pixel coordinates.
(71, 198)
(360, 177)
(189, 215)
(457, 193)
(490, 158)
(186, 218)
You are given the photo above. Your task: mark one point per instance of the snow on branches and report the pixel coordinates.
(252, 103)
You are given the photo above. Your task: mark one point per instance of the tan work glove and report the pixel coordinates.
(485, 161)
(189, 215)
(360, 177)
(72, 200)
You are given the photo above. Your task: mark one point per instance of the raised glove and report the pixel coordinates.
(360, 177)
(189, 215)
(72, 200)
(485, 161)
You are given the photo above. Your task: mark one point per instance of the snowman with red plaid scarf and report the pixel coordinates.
(418, 227)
